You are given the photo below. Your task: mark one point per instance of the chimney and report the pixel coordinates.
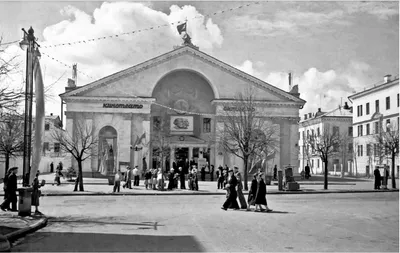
(305, 116)
(346, 106)
(51, 114)
(290, 81)
(386, 78)
(319, 109)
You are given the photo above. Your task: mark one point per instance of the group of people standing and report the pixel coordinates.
(379, 178)
(234, 188)
(10, 191)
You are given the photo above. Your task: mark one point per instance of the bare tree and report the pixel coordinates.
(79, 145)
(11, 136)
(326, 145)
(246, 134)
(389, 141)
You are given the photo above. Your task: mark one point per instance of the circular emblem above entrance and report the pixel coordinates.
(181, 104)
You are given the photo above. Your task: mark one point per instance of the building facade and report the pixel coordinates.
(375, 109)
(177, 98)
(337, 121)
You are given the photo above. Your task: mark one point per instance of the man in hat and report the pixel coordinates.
(11, 191)
(231, 192)
(238, 176)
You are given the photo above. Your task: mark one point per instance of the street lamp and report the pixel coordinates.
(29, 44)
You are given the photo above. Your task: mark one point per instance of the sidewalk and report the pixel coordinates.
(13, 227)
(99, 186)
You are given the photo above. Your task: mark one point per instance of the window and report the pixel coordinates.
(398, 100)
(312, 163)
(156, 123)
(304, 135)
(308, 134)
(359, 110)
(376, 105)
(350, 131)
(317, 163)
(318, 131)
(360, 130)
(47, 127)
(376, 124)
(335, 130)
(387, 103)
(45, 147)
(350, 147)
(367, 109)
(206, 125)
(56, 147)
(368, 149)
(375, 149)
(312, 132)
(387, 125)
(360, 150)
(336, 147)
(367, 126)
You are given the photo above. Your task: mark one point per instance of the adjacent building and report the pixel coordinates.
(375, 110)
(185, 90)
(338, 121)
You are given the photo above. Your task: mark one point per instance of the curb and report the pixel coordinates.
(27, 230)
(215, 193)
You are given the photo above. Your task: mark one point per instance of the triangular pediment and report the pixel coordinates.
(140, 80)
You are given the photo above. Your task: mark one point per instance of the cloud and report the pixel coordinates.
(382, 10)
(283, 22)
(321, 89)
(104, 57)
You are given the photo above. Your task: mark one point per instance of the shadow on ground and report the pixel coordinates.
(92, 242)
(6, 230)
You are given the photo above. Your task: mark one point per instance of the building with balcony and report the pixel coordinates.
(376, 110)
(337, 121)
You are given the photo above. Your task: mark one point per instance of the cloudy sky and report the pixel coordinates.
(332, 48)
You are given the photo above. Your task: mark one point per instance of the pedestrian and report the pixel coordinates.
(182, 178)
(212, 173)
(136, 176)
(147, 179)
(128, 178)
(154, 179)
(57, 177)
(242, 200)
(195, 179)
(171, 179)
(36, 193)
(190, 180)
(203, 173)
(5, 180)
(251, 199)
(225, 178)
(307, 171)
(275, 172)
(51, 167)
(11, 191)
(218, 180)
(117, 181)
(231, 193)
(160, 179)
(261, 199)
(377, 175)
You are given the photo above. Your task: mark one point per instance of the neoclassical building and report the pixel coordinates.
(181, 92)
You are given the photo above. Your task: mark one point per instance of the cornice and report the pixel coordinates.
(109, 99)
(174, 54)
(260, 103)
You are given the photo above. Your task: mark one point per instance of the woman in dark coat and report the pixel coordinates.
(171, 179)
(251, 199)
(231, 201)
(36, 193)
(260, 195)
(377, 175)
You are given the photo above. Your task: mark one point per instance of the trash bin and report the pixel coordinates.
(25, 201)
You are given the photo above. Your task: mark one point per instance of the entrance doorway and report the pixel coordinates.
(181, 154)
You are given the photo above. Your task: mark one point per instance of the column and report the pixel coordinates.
(146, 141)
(190, 153)
(171, 156)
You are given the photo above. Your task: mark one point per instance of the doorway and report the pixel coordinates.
(181, 154)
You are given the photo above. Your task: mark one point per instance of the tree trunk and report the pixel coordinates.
(79, 180)
(326, 176)
(7, 164)
(245, 160)
(393, 172)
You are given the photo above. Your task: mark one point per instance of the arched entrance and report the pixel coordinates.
(183, 132)
(107, 151)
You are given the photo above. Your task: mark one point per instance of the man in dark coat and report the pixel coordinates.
(212, 173)
(261, 199)
(192, 163)
(377, 175)
(182, 178)
(11, 191)
(275, 172)
(231, 201)
(307, 171)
